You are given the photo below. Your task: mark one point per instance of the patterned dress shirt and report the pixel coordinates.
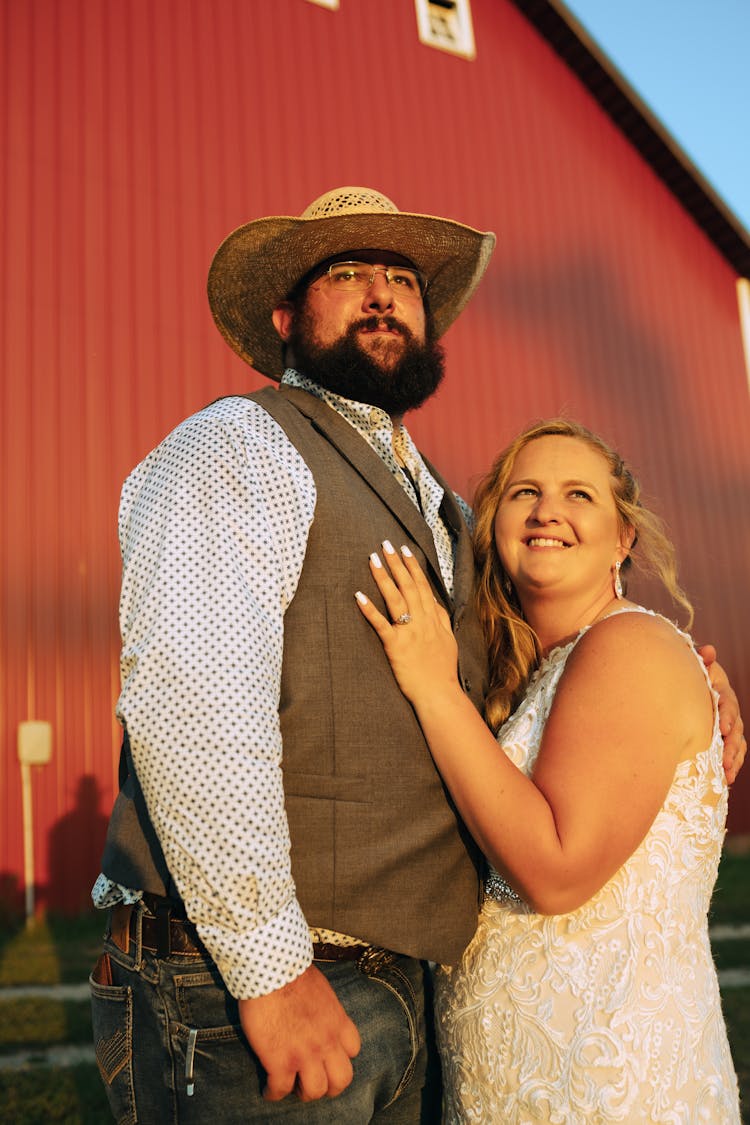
(213, 530)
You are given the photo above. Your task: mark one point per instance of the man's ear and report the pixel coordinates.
(282, 317)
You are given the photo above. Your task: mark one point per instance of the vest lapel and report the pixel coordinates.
(372, 470)
(463, 573)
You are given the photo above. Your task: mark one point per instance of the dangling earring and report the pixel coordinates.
(618, 582)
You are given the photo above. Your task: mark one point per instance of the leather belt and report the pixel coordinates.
(369, 958)
(157, 931)
(160, 933)
(325, 951)
(163, 934)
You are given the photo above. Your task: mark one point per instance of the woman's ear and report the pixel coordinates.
(627, 540)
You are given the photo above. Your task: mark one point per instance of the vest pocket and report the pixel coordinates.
(331, 787)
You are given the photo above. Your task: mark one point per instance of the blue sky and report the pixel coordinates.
(689, 60)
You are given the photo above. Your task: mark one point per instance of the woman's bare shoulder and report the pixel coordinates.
(649, 656)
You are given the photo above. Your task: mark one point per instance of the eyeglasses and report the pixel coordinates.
(357, 277)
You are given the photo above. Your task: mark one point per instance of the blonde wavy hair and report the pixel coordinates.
(514, 651)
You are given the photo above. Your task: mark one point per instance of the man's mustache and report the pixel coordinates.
(372, 323)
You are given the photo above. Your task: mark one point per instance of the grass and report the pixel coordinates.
(736, 1005)
(731, 904)
(73, 1096)
(52, 951)
(39, 1022)
(63, 951)
(731, 901)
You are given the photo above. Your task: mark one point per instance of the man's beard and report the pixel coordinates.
(348, 370)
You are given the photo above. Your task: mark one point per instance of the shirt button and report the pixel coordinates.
(467, 684)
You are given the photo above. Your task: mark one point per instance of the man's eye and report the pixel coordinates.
(404, 280)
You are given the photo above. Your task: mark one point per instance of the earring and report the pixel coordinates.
(507, 586)
(618, 582)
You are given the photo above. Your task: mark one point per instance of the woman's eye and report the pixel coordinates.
(580, 494)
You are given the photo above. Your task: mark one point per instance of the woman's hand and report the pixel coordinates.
(418, 639)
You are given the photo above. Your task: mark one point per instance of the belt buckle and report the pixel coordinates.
(374, 959)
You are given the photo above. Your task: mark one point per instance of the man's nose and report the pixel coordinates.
(379, 294)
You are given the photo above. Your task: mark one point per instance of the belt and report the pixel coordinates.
(369, 958)
(163, 934)
(160, 933)
(326, 951)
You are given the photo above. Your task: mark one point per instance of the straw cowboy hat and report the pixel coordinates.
(258, 265)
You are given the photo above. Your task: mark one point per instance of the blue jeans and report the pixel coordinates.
(170, 1047)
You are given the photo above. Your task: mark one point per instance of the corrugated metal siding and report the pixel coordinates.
(137, 134)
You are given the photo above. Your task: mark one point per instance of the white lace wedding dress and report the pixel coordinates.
(610, 1013)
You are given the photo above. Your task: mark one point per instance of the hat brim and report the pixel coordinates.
(258, 265)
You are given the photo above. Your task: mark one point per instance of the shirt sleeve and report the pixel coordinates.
(213, 530)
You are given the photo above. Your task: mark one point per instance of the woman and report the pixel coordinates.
(588, 994)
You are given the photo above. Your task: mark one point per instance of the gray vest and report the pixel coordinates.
(378, 850)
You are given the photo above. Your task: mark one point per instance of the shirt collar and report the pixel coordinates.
(374, 424)
(377, 429)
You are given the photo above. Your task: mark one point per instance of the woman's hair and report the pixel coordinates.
(513, 646)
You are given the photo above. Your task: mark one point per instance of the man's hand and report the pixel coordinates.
(730, 720)
(303, 1037)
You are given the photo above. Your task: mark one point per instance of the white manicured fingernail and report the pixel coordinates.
(407, 552)
(361, 597)
(375, 560)
(388, 547)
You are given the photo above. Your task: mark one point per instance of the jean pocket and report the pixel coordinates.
(112, 1021)
(393, 980)
(211, 1059)
(203, 1000)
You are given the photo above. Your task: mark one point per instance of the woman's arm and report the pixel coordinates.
(631, 704)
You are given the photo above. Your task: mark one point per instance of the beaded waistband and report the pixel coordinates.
(495, 887)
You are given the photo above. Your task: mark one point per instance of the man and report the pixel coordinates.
(258, 707)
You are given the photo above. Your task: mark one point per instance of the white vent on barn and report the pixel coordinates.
(743, 296)
(446, 24)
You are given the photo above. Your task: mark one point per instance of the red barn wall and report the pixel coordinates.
(136, 135)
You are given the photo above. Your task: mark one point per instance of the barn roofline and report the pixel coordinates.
(633, 117)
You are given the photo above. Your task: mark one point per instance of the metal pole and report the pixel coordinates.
(28, 841)
(34, 749)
